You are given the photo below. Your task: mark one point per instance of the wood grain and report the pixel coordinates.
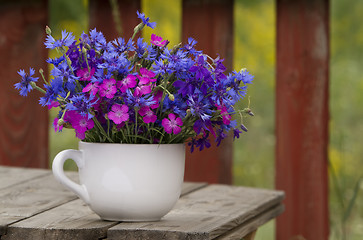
(72, 220)
(10, 176)
(29, 198)
(203, 214)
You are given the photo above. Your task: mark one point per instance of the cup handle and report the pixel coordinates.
(58, 172)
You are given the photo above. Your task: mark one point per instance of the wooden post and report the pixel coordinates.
(302, 117)
(23, 122)
(211, 24)
(101, 17)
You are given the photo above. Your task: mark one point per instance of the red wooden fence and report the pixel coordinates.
(23, 122)
(302, 117)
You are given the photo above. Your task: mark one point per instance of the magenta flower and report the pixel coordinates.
(158, 41)
(142, 90)
(108, 88)
(157, 98)
(225, 115)
(148, 115)
(118, 113)
(146, 76)
(127, 82)
(92, 88)
(53, 104)
(80, 123)
(84, 74)
(173, 124)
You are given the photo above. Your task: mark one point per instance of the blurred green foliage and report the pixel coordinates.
(254, 46)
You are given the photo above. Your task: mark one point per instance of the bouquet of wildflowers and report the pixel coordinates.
(127, 92)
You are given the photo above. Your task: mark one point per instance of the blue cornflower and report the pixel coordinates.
(199, 107)
(189, 47)
(235, 90)
(97, 39)
(145, 20)
(177, 61)
(141, 46)
(24, 86)
(138, 101)
(153, 53)
(55, 61)
(52, 91)
(178, 106)
(66, 40)
(81, 104)
(161, 67)
(244, 76)
(120, 46)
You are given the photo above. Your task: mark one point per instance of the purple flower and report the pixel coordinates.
(80, 123)
(203, 142)
(24, 86)
(145, 20)
(236, 133)
(92, 88)
(108, 88)
(119, 113)
(220, 137)
(148, 115)
(225, 115)
(173, 124)
(127, 82)
(84, 74)
(146, 76)
(158, 41)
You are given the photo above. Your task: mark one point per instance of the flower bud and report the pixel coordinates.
(48, 31)
(84, 50)
(243, 127)
(41, 71)
(171, 97)
(60, 122)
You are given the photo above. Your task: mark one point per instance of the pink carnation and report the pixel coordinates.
(173, 124)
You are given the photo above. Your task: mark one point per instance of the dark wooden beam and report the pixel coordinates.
(302, 117)
(211, 24)
(23, 122)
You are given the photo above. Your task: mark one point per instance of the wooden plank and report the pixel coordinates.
(10, 176)
(30, 198)
(302, 117)
(211, 24)
(23, 122)
(72, 220)
(249, 228)
(203, 214)
(189, 187)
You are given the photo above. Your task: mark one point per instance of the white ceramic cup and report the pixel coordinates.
(126, 182)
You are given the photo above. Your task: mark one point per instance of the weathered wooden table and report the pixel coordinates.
(34, 206)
